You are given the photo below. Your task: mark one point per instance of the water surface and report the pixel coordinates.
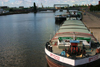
(23, 37)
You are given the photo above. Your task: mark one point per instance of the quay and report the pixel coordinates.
(93, 24)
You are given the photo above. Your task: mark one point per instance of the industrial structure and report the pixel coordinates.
(58, 6)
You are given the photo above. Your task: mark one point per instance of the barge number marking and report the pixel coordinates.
(55, 56)
(93, 58)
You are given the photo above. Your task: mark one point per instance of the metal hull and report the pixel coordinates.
(60, 18)
(54, 63)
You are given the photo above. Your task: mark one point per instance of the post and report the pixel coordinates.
(50, 36)
(35, 8)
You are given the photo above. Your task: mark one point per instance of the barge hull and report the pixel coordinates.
(54, 63)
(59, 19)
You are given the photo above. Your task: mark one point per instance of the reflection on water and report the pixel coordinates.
(48, 65)
(22, 39)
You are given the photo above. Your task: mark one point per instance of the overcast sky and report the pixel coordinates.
(46, 3)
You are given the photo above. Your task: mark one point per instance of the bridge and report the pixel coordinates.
(53, 9)
(59, 5)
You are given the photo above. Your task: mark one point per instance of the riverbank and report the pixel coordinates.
(13, 13)
(93, 23)
(96, 13)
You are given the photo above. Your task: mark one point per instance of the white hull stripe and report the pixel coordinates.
(71, 61)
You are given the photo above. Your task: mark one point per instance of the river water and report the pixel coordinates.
(23, 38)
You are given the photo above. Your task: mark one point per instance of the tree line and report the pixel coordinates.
(95, 8)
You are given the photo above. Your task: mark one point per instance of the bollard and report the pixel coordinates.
(91, 32)
(51, 48)
(48, 47)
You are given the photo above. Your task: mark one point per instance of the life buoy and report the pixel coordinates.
(55, 43)
(77, 50)
(71, 49)
(74, 50)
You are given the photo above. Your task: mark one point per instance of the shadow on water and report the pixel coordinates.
(85, 66)
(48, 65)
(59, 22)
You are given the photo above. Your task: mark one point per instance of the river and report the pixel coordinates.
(23, 38)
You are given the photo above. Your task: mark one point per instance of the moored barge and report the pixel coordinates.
(73, 46)
(62, 16)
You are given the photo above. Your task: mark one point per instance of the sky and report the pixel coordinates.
(45, 3)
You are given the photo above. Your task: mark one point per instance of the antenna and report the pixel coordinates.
(74, 36)
(54, 32)
(50, 36)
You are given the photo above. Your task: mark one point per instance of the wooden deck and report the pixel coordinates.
(57, 50)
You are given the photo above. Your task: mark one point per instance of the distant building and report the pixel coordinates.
(5, 11)
(1, 10)
(13, 7)
(90, 4)
(87, 4)
(3, 7)
(58, 7)
(21, 6)
(99, 2)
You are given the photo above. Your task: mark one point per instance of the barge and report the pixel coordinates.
(62, 16)
(73, 46)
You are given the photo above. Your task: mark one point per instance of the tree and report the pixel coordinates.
(99, 7)
(11, 9)
(95, 8)
(91, 8)
(76, 5)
